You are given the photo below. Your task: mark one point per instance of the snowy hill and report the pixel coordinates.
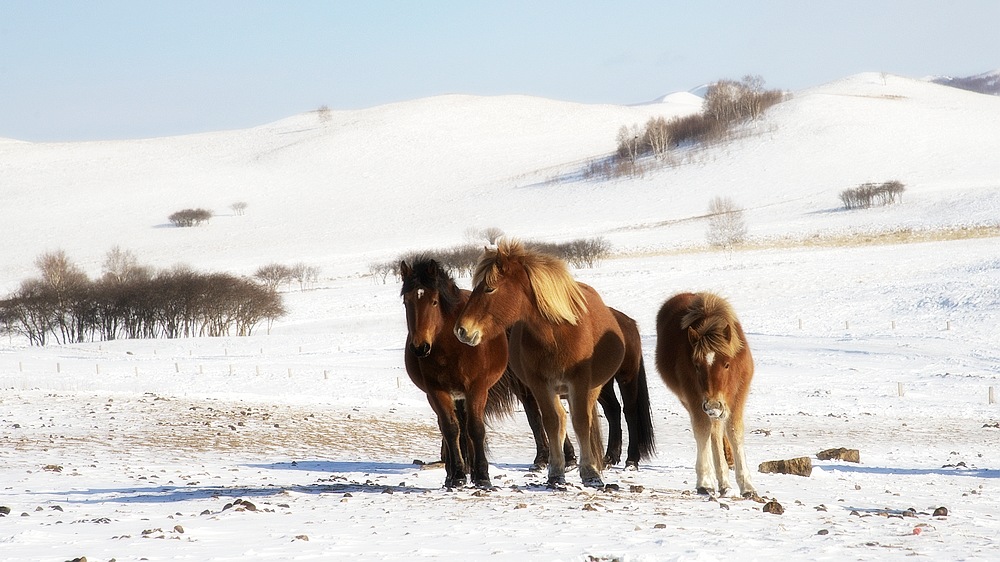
(985, 83)
(420, 173)
(298, 442)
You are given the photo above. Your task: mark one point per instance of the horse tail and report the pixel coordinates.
(644, 415)
(502, 397)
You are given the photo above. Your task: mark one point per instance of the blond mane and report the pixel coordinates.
(557, 294)
(710, 315)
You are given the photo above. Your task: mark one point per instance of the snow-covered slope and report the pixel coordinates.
(108, 447)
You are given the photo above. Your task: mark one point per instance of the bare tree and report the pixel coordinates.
(239, 207)
(726, 227)
(272, 275)
(657, 136)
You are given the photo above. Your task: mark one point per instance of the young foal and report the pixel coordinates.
(703, 357)
(563, 341)
(449, 372)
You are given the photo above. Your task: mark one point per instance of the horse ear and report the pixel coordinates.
(727, 332)
(693, 336)
(404, 269)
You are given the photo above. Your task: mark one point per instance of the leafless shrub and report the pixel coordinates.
(239, 208)
(726, 227)
(490, 234)
(324, 114)
(190, 217)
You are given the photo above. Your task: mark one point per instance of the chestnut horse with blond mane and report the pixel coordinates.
(460, 381)
(703, 356)
(563, 341)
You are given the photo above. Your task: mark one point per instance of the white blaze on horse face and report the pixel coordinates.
(420, 293)
(710, 358)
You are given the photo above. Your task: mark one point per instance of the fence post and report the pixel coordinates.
(899, 388)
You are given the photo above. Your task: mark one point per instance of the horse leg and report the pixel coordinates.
(476, 425)
(444, 406)
(720, 465)
(701, 426)
(613, 413)
(734, 430)
(568, 453)
(583, 410)
(554, 420)
(463, 431)
(638, 418)
(534, 416)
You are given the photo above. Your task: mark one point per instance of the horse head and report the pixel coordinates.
(499, 293)
(714, 347)
(429, 295)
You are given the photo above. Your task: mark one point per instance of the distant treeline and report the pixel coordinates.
(461, 260)
(64, 305)
(727, 103)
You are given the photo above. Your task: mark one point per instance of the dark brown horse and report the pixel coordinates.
(563, 341)
(460, 381)
(631, 380)
(703, 357)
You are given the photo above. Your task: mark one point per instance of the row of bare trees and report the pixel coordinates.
(63, 305)
(871, 194)
(462, 259)
(727, 103)
(273, 275)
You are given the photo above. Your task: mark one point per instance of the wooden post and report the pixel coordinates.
(893, 324)
(993, 398)
(899, 388)
(58, 368)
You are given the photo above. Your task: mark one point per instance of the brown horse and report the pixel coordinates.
(703, 357)
(563, 341)
(631, 379)
(460, 381)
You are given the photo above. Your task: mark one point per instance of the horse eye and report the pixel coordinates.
(489, 290)
(727, 364)
(434, 302)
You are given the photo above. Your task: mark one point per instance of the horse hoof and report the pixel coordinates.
(631, 466)
(751, 495)
(703, 491)
(538, 467)
(485, 485)
(593, 482)
(558, 483)
(571, 462)
(723, 492)
(455, 482)
(612, 461)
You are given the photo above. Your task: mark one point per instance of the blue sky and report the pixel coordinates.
(108, 69)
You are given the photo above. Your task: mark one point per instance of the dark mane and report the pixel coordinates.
(428, 273)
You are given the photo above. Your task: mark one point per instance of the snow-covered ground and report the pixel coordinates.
(299, 444)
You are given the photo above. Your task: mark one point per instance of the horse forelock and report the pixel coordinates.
(709, 315)
(427, 273)
(558, 296)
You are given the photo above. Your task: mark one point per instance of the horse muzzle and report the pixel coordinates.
(468, 338)
(714, 409)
